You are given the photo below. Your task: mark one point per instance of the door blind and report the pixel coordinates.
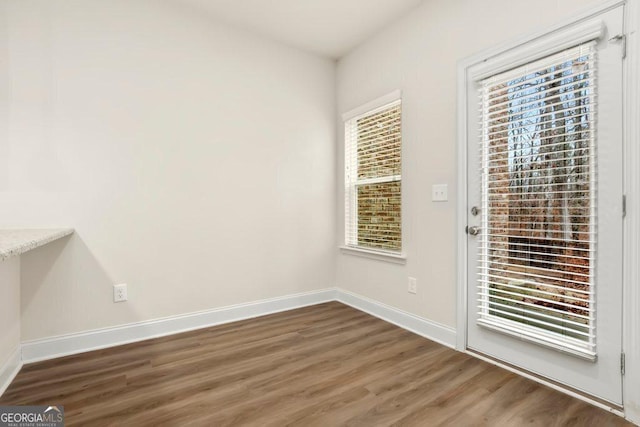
(538, 230)
(373, 163)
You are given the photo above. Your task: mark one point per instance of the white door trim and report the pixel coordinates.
(631, 336)
(631, 290)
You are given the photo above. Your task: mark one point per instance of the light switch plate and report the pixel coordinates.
(439, 193)
(413, 285)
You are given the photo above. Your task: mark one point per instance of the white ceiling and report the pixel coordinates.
(327, 27)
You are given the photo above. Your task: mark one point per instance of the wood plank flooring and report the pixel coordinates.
(325, 365)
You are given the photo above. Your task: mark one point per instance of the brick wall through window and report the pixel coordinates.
(373, 179)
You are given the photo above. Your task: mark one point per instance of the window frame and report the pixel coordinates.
(349, 119)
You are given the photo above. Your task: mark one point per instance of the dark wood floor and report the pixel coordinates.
(324, 365)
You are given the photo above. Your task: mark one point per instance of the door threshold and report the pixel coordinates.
(578, 394)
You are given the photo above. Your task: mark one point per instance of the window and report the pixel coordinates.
(373, 177)
(538, 158)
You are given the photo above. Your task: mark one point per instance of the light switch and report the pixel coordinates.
(439, 193)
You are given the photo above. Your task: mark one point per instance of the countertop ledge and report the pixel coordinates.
(14, 242)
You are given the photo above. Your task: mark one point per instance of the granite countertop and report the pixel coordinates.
(14, 242)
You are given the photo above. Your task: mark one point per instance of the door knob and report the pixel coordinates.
(474, 231)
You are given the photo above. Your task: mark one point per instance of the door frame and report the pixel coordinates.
(631, 223)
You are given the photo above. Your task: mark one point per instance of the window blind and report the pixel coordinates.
(537, 244)
(373, 163)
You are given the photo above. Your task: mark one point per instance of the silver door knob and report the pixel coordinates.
(474, 231)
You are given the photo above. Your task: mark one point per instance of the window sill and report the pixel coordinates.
(395, 258)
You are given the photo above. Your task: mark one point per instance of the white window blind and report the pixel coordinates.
(538, 234)
(373, 148)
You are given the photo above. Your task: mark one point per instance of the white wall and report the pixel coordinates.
(9, 310)
(196, 162)
(4, 91)
(9, 269)
(419, 55)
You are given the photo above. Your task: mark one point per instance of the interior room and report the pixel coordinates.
(320, 212)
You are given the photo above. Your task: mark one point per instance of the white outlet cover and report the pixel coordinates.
(439, 193)
(120, 292)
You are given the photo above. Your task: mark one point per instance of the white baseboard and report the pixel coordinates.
(50, 348)
(65, 345)
(9, 370)
(442, 334)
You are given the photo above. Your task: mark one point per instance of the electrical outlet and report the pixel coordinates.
(413, 285)
(439, 193)
(120, 292)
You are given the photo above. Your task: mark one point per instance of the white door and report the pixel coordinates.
(545, 206)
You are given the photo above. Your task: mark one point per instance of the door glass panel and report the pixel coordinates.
(538, 167)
